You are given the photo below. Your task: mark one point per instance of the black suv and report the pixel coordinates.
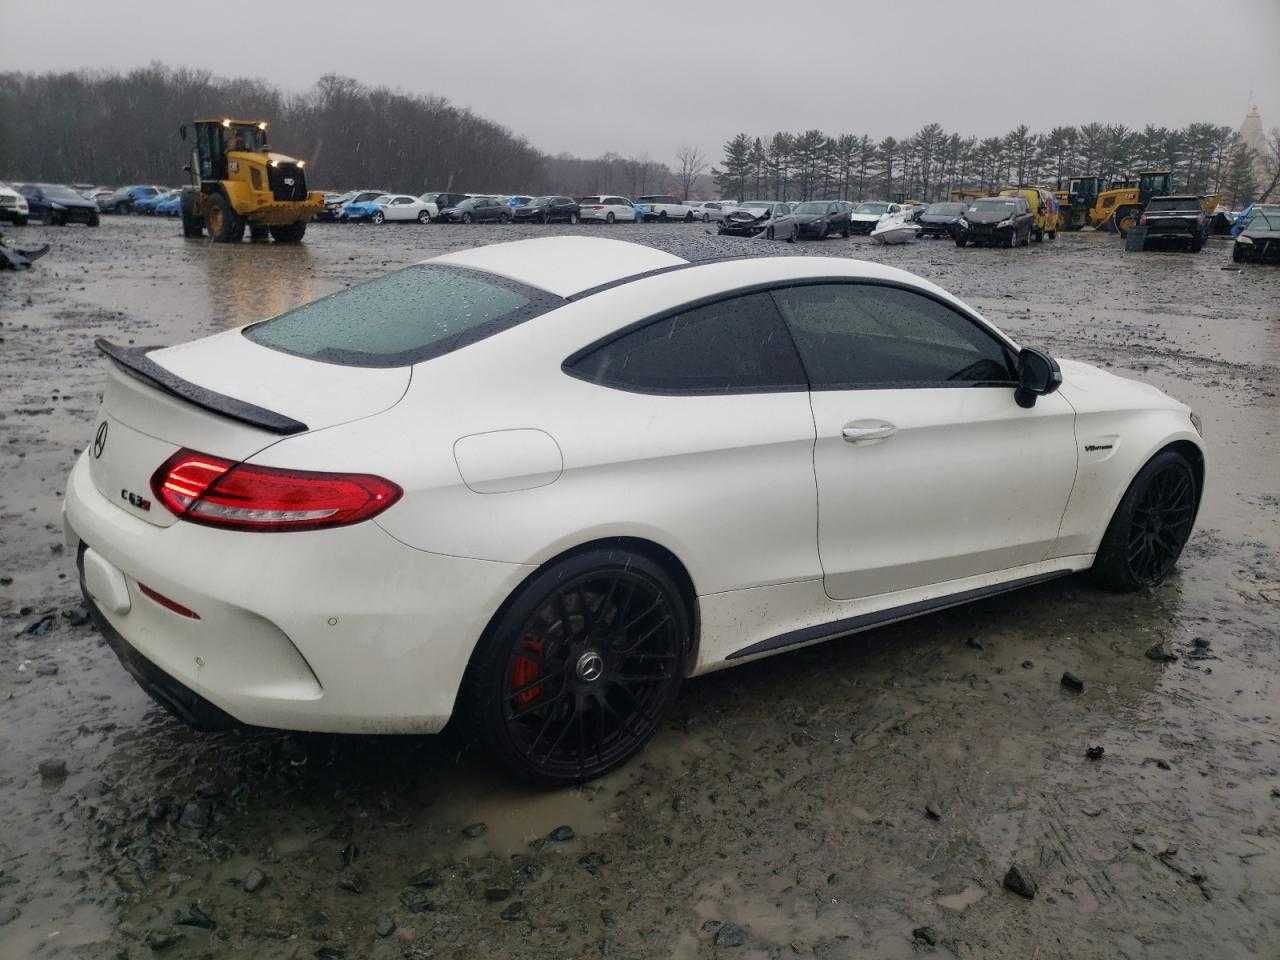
(821, 218)
(995, 221)
(547, 209)
(1180, 219)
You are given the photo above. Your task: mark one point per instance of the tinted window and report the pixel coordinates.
(731, 346)
(401, 318)
(864, 335)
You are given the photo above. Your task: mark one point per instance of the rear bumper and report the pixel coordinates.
(344, 630)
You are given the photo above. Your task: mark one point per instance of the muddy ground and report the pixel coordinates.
(781, 811)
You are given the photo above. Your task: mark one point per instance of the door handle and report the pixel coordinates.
(866, 432)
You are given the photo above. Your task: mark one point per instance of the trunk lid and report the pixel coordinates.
(223, 395)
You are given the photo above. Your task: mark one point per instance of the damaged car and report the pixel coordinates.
(940, 219)
(753, 216)
(1259, 241)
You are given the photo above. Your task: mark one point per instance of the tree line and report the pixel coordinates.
(1204, 158)
(114, 128)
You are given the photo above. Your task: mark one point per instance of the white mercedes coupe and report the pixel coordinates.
(538, 484)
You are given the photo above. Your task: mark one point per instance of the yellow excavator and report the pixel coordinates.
(237, 181)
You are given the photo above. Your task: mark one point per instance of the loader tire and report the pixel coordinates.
(290, 232)
(225, 225)
(192, 222)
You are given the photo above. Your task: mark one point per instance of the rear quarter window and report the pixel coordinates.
(403, 318)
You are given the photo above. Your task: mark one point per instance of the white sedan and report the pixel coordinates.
(540, 483)
(398, 207)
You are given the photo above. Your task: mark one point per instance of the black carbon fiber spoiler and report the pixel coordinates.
(135, 362)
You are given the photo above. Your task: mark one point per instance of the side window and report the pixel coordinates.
(865, 335)
(737, 345)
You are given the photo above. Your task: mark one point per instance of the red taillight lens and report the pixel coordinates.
(222, 493)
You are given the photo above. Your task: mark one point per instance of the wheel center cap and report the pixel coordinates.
(590, 666)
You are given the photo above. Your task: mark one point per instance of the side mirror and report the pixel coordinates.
(1038, 375)
(182, 131)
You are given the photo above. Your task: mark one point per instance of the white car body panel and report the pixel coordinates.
(507, 461)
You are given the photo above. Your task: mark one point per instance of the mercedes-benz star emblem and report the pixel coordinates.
(100, 440)
(590, 666)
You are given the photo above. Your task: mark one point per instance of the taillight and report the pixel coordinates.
(221, 493)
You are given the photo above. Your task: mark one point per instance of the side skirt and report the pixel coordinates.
(879, 618)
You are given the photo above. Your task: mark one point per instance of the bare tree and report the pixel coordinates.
(1271, 164)
(691, 163)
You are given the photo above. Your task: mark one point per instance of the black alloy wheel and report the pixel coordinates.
(1150, 526)
(575, 676)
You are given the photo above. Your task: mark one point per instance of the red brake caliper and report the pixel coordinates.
(527, 667)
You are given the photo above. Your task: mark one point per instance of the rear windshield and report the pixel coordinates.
(1174, 203)
(405, 317)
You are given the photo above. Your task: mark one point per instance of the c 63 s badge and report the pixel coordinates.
(142, 503)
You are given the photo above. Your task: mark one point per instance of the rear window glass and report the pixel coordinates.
(402, 318)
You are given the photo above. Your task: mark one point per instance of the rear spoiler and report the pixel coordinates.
(135, 362)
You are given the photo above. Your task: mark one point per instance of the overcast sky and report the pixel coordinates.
(586, 76)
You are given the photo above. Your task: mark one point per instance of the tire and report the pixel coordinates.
(1197, 244)
(844, 232)
(663, 216)
(1026, 241)
(961, 241)
(290, 232)
(573, 219)
(706, 218)
(20, 221)
(505, 218)
(424, 217)
(1037, 236)
(823, 230)
(94, 220)
(609, 217)
(768, 233)
(467, 219)
(259, 233)
(1236, 253)
(378, 218)
(192, 222)
(1124, 219)
(546, 219)
(225, 225)
(606, 611)
(1150, 526)
(1053, 234)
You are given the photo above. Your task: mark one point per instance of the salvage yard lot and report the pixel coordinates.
(863, 798)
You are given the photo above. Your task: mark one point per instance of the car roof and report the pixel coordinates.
(564, 266)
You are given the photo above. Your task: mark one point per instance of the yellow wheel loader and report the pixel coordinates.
(238, 182)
